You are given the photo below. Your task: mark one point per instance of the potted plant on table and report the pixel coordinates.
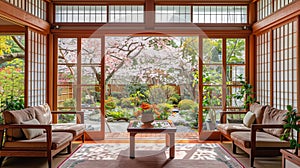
(291, 127)
(147, 112)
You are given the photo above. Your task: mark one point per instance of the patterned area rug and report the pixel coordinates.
(111, 155)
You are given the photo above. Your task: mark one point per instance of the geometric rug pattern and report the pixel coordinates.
(116, 155)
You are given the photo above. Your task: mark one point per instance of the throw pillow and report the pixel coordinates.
(249, 119)
(274, 116)
(32, 132)
(43, 114)
(258, 110)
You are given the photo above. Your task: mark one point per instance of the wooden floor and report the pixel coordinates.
(266, 162)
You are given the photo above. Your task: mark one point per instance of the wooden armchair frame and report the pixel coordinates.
(258, 151)
(48, 152)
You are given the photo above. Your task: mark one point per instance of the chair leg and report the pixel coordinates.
(252, 155)
(251, 160)
(69, 148)
(233, 148)
(82, 138)
(49, 161)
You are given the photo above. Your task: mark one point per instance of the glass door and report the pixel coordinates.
(78, 82)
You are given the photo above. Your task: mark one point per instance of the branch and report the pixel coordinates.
(18, 43)
(10, 57)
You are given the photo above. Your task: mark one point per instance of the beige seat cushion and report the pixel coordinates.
(227, 129)
(39, 143)
(258, 110)
(263, 139)
(274, 116)
(75, 129)
(16, 117)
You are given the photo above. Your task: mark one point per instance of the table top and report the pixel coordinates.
(159, 126)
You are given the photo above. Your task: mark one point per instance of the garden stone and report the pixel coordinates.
(110, 119)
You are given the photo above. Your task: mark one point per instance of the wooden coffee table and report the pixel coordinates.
(160, 126)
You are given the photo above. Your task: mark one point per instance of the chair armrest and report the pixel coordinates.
(255, 127)
(79, 115)
(224, 113)
(48, 131)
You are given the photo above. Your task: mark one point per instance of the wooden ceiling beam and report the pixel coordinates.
(13, 29)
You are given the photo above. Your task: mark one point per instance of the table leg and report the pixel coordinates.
(167, 140)
(172, 145)
(132, 145)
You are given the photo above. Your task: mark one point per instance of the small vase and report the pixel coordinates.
(147, 119)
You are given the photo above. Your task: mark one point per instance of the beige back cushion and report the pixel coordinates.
(16, 117)
(249, 119)
(274, 116)
(258, 110)
(43, 114)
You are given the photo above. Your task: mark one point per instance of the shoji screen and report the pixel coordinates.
(263, 88)
(276, 66)
(285, 65)
(36, 68)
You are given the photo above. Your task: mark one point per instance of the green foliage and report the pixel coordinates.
(235, 50)
(69, 105)
(7, 45)
(161, 93)
(165, 110)
(190, 50)
(12, 78)
(110, 103)
(13, 103)
(118, 114)
(139, 91)
(174, 99)
(290, 126)
(186, 104)
(12, 86)
(129, 102)
(212, 96)
(244, 92)
(66, 118)
(212, 49)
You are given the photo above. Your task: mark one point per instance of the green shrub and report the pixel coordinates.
(161, 93)
(129, 102)
(165, 110)
(110, 104)
(186, 104)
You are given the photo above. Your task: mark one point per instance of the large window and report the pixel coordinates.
(172, 14)
(222, 76)
(78, 81)
(220, 14)
(126, 14)
(80, 14)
